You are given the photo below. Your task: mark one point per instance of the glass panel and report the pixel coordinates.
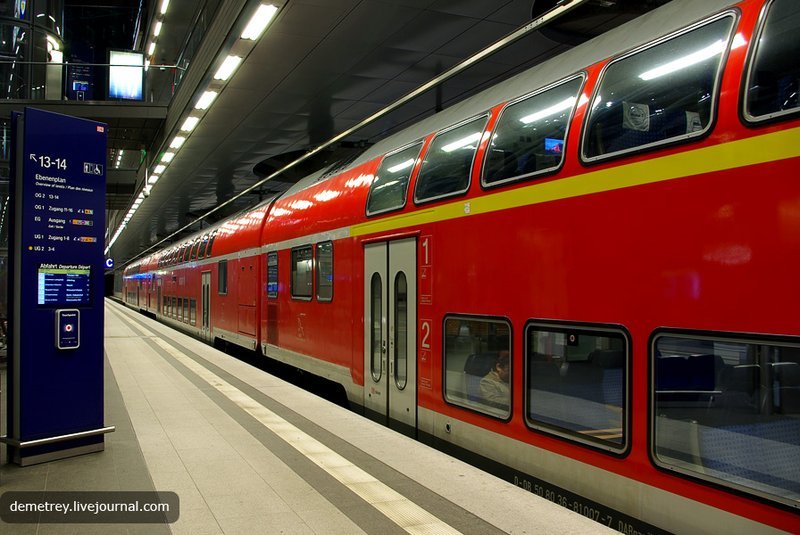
(376, 336)
(389, 188)
(477, 365)
(325, 271)
(530, 134)
(302, 281)
(272, 275)
(400, 330)
(223, 276)
(728, 410)
(448, 161)
(772, 85)
(576, 381)
(662, 93)
(193, 311)
(185, 309)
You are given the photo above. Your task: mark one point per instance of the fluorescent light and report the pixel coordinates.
(153, 179)
(547, 112)
(151, 48)
(703, 54)
(205, 100)
(167, 157)
(404, 165)
(461, 143)
(146, 65)
(53, 42)
(189, 124)
(164, 6)
(177, 141)
(159, 169)
(157, 28)
(259, 21)
(227, 67)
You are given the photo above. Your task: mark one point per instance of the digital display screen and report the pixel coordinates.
(126, 75)
(63, 285)
(553, 146)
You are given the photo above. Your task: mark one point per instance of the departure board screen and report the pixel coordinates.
(63, 285)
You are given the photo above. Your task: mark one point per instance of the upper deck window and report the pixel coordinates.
(448, 161)
(774, 73)
(390, 186)
(662, 93)
(530, 134)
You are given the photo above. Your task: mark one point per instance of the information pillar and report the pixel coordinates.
(55, 402)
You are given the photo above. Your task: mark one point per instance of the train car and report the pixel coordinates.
(580, 278)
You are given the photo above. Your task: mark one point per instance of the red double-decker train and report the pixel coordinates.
(581, 277)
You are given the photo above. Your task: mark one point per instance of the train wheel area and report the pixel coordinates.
(246, 452)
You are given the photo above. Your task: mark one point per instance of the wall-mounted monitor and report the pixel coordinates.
(125, 75)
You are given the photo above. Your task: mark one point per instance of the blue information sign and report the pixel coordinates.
(56, 390)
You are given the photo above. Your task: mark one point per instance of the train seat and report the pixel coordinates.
(475, 368)
(612, 364)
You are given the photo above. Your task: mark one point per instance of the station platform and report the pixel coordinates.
(249, 453)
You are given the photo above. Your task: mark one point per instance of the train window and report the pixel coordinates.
(272, 274)
(477, 364)
(376, 323)
(575, 383)
(201, 249)
(194, 247)
(210, 243)
(774, 72)
(193, 311)
(448, 161)
(530, 134)
(400, 342)
(222, 277)
(325, 271)
(727, 410)
(186, 310)
(302, 273)
(390, 185)
(663, 93)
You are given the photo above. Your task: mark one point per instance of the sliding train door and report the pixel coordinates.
(390, 344)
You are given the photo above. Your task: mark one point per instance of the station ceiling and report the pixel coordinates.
(321, 67)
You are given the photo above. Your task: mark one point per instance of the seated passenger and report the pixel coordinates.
(494, 385)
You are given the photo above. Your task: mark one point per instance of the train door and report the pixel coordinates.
(205, 302)
(390, 310)
(159, 306)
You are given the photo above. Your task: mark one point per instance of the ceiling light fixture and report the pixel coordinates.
(151, 49)
(228, 66)
(164, 6)
(259, 21)
(159, 169)
(189, 124)
(157, 29)
(177, 141)
(167, 157)
(205, 100)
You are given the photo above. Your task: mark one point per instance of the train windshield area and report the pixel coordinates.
(576, 384)
(729, 411)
